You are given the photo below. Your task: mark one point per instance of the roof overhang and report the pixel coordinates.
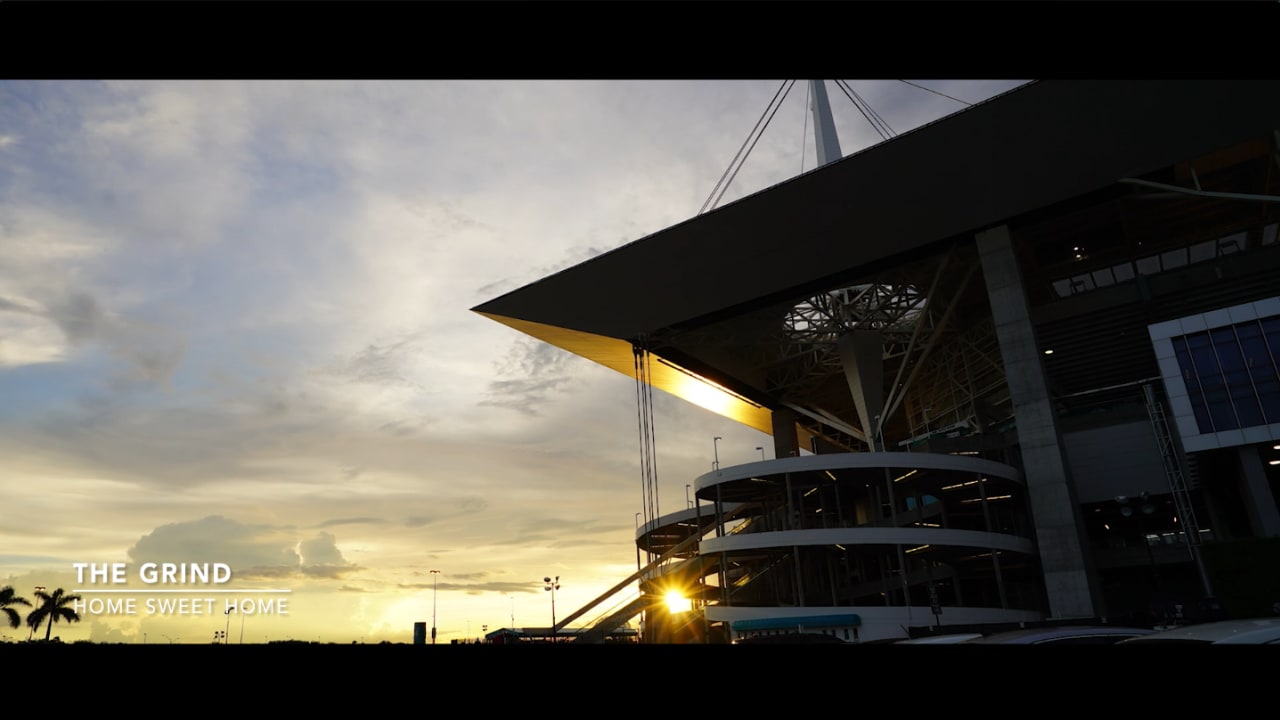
(1020, 153)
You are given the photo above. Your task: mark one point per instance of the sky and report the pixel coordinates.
(235, 329)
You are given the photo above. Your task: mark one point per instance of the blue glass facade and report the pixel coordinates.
(1231, 374)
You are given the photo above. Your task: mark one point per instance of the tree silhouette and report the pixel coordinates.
(9, 597)
(54, 606)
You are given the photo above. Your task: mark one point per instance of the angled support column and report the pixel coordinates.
(1068, 575)
(862, 355)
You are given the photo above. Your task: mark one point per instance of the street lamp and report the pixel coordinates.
(228, 625)
(552, 586)
(715, 445)
(435, 580)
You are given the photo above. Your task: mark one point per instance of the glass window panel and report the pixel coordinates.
(1262, 368)
(1102, 278)
(1268, 396)
(1149, 265)
(1123, 272)
(1203, 251)
(1245, 401)
(1271, 328)
(1202, 355)
(1188, 367)
(1212, 384)
(1224, 342)
(1236, 375)
(1062, 287)
(1192, 382)
(1248, 330)
(1081, 283)
(1219, 401)
(1173, 258)
(1269, 234)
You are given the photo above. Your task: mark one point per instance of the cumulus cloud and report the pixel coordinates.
(252, 551)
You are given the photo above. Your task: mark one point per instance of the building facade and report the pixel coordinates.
(1018, 365)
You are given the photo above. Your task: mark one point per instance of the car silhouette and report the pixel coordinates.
(1063, 635)
(1255, 631)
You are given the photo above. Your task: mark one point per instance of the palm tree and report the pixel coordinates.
(53, 606)
(9, 597)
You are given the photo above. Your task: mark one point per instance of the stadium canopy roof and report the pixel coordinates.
(705, 296)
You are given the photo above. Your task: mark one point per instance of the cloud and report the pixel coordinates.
(246, 306)
(218, 539)
(153, 351)
(382, 364)
(252, 551)
(321, 550)
(452, 508)
(536, 370)
(353, 521)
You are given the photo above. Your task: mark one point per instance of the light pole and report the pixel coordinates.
(637, 544)
(552, 586)
(228, 625)
(715, 446)
(687, 501)
(513, 613)
(435, 580)
(242, 627)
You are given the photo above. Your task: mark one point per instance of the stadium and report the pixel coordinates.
(1018, 365)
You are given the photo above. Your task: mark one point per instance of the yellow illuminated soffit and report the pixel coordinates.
(663, 374)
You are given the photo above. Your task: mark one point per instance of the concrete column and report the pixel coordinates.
(1068, 574)
(1264, 519)
(862, 356)
(785, 442)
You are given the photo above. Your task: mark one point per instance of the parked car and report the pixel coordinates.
(948, 639)
(1063, 635)
(1256, 631)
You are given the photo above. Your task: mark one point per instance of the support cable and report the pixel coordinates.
(871, 116)
(804, 126)
(747, 146)
(935, 92)
(644, 421)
